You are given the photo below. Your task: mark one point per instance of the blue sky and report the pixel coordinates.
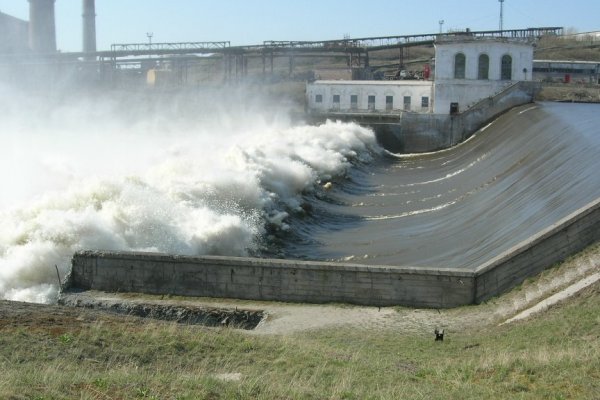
(251, 22)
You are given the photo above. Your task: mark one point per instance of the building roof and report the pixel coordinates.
(5, 18)
(407, 82)
(464, 39)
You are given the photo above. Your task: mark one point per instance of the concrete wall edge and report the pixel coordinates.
(541, 236)
(225, 261)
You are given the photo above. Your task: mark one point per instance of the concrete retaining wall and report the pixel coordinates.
(559, 241)
(487, 109)
(323, 282)
(268, 279)
(417, 133)
(414, 133)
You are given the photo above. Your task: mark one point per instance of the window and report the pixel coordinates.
(506, 68)
(460, 62)
(371, 102)
(389, 103)
(319, 98)
(484, 67)
(425, 102)
(354, 101)
(336, 101)
(407, 103)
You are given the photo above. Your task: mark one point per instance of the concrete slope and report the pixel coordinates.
(462, 207)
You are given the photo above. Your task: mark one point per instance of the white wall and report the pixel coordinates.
(466, 94)
(521, 53)
(470, 90)
(416, 90)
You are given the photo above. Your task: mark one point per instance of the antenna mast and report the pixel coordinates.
(501, 13)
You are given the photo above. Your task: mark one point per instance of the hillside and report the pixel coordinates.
(314, 351)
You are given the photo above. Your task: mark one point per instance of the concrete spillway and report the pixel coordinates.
(436, 230)
(461, 207)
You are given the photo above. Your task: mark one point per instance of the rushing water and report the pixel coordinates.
(460, 207)
(174, 177)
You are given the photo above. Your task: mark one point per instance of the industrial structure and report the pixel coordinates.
(567, 71)
(33, 42)
(192, 63)
(472, 80)
(14, 34)
(38, 35)
(233, 61)
(89, 29)
(42, 28)
(467, 69)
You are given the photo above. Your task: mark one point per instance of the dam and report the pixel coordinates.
(221, 197)
(436, 230)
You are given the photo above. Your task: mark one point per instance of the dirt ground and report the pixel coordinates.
(287, 318)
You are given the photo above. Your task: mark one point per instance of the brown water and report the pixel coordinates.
(461, 207)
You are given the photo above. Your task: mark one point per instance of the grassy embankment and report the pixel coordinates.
(554, 356)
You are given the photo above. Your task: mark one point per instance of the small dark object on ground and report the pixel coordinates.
(439, 334)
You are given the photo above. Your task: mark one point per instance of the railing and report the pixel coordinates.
(386, 41)
(353, 45)
(161, 47)
(526, 86)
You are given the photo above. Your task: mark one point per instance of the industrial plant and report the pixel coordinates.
(27, 47)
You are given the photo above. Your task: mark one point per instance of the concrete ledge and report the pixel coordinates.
(269, 279)
(324, 282)
(550, 246)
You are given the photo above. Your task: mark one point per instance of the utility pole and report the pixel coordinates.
(441, 22)
(501, 13)
(149, 35)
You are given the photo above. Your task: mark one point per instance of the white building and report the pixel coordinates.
(467, 70)
(389, 96)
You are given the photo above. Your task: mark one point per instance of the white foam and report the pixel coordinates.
(74, 182)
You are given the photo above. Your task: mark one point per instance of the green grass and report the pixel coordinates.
(555, 356)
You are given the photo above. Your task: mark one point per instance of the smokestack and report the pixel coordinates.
(42, 30)
(89, 28)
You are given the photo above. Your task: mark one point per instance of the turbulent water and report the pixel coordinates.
(181, 177)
